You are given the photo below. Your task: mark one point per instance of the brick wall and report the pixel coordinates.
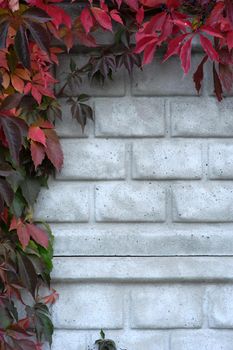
(142, 213)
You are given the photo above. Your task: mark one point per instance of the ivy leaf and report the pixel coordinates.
(36, 14)
(22, 47)
(11, 101)
(217, 84)
(27, 273)
(102, 18)
(40, 35)
(229, 10)
(209, 49)
(53, 149)
(37, 153)
(30, 190)
(14, 130)
(35, 133)
(4, 26)
(6, 194)
(43, 323)
(81, 112)
(199, 74)
(38, 235)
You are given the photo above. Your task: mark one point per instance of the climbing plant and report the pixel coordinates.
(32, 35)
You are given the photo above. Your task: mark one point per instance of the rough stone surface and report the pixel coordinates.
(142, 214)
(166, 307)
(201, 340)
(203, 202)
(167, 160)
(96, 160)
(141, 202)
(131, 117)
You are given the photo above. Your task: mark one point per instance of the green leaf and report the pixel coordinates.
(43, 323)
(102, 334)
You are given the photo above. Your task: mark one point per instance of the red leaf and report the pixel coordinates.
(38, 235)
(152, 3)
(36, 134)
(229, 10)
(37, 153)
(132, 3)
(217, 84)
(149, 53)
(23, 235)
(145, 40)
(185, 55)
(86, 19)
(174, 46)
(115, 16)
(140, 15)
(199, 74)
(102, 18)
(51, 299)
(211, 31)
(209, 49)
(53, 150)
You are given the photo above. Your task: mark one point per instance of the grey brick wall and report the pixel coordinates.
(142, 214)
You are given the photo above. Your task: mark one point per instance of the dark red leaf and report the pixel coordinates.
(217, 84)
(53, 149)
(199, 74)
(185, 55)
(209, 49)
(22, 47)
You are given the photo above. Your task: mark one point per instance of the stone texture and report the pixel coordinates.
(92, 160)
(142, 213)
(201, 340)
(129, 117)
(142, 239)
(221, 307)
(63, 202)
(203, 202)
(165, 79)
(167, 160)
(167, 307)
(88, 307)
(221, 161)
(136, 202)
(202, 117)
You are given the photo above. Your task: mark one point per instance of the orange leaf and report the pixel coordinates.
(17, 83)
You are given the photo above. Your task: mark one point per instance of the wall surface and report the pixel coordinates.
(142, 213)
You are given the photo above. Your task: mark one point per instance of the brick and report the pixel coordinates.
(164, 79)
(221, 307)
(88, 307)
(115, 87)
(167, 307)
(201, 340)
(63, 202)
(69, 339)
(221, 161)
(202, 117)
(94, 160)
(167, 160)
(129, 117)
(130, 202)
(147, 269)
(141, 239)
(203, 202)
(68, 127)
